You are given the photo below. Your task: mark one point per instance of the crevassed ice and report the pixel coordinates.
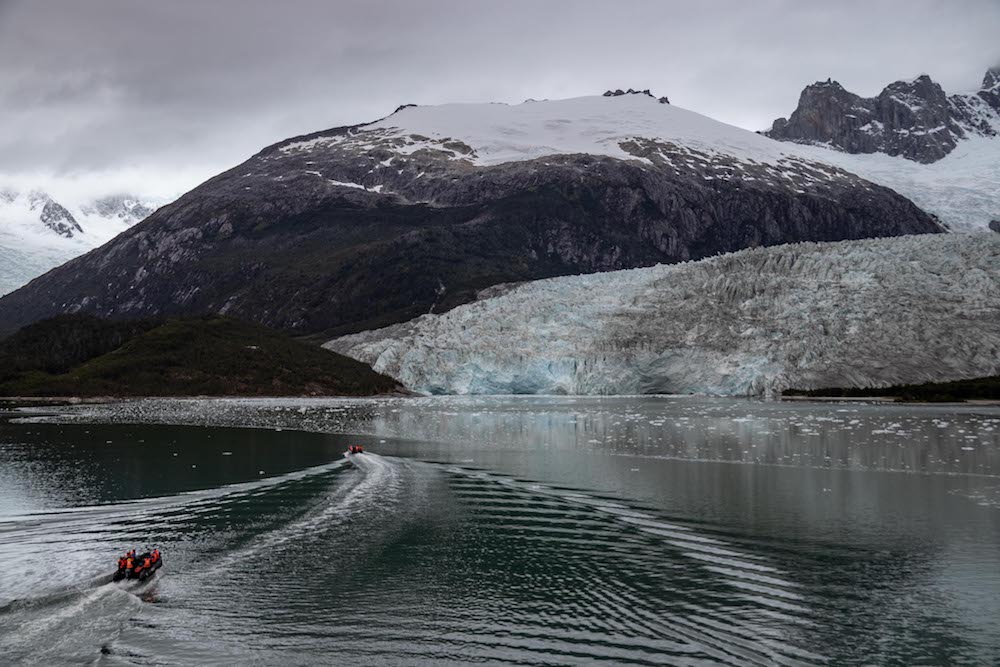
(854, 313)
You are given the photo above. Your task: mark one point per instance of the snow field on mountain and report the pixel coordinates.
(594, 125)
(963, 189)
(855, 313)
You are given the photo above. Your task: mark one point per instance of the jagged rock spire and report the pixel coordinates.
(914, 119)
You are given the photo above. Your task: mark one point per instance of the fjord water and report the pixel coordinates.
(506, 530)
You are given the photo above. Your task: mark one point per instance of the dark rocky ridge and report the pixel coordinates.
(913, 119)
(281, 240)
(631, 91)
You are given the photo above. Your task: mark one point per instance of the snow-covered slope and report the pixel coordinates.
(853, 313)
(39, 231)
(962, 189)
(595, 125)
(634, 127)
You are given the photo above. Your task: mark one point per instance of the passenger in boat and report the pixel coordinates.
(156, 555)
(146, 562)
(128, 563)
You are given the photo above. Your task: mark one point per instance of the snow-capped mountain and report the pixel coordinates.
(854, 313)
(940, 151)
(363, 226)
(39, 232)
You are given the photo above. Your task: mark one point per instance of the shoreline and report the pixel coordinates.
(13, 403)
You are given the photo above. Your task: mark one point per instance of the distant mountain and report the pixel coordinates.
(851, 314)
(914, 119)
(940, 151)
(39, 232)
(362, 226)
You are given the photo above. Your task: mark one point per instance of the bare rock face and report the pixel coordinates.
(364, 226)
(55, 216)
(990, 91)
(631, 91)
(913, 119)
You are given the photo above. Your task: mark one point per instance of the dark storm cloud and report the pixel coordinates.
(199, 85)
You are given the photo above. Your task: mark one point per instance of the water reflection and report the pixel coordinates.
(640, 531)
(953, 439)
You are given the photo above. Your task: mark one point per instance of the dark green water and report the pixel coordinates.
(640, 531)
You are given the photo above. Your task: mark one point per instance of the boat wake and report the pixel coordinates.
(380, 560)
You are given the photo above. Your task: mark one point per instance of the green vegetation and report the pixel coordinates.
(986, 388)
(197, 356)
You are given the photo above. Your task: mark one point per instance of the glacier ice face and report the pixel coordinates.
(854, 313)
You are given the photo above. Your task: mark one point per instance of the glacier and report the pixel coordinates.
(811, 315)
(962, 189)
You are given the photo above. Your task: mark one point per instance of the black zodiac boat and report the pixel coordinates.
(141, 567)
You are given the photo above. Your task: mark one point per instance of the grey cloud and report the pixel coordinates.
(104, 83)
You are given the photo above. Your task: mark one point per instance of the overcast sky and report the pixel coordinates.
(156, 95)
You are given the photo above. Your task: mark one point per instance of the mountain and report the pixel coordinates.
(914, 119)
(363, 226)
(80, 355)
(940, 151)
(850, 314)
(39, 231)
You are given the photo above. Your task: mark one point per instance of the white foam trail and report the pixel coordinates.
(379, 478)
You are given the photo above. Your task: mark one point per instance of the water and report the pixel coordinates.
(505, 530)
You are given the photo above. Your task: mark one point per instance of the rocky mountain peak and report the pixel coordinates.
(990, 92)
(54, 215)
(631, 91)
(992, 79)
(915, 119)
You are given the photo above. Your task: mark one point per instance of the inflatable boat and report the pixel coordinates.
(141, 567)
